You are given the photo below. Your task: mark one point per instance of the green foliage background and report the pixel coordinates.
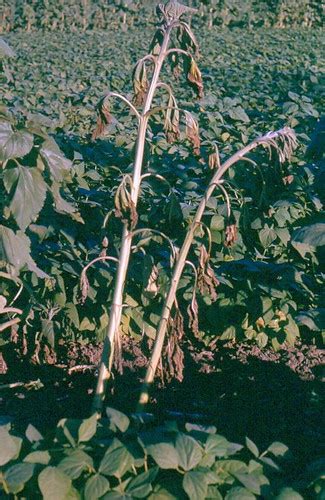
(88, 14)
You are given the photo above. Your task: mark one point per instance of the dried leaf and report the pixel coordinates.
(193, 313)
(192, 132)
(84, 287)
(171, 124)
(187, 38)
(173, 352)
(140, 83)
(195, 78)
(152, 287)
(231, 235)
(124, 205)
(104, 118)
(207, 280)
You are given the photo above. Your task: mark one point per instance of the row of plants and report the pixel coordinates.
(115, 459)
(278, 260)
(85, 15)
(149, 209)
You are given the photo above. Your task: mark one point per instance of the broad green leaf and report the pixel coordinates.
(32, 434)
(252, 447)
(9, 448)
(314, 319)
(118, 420)
(116, 461)
(58, 165)
(267, 235)
(17, 475)
(164, 454)
(54, 484)
(29, 193)
(74, 464)
(87, 429)
(38, 457)
(278, 449)
(250, 481)
(213, 493)
(195, 485)
(13, 144)
(96, 487)
(141, 485)
(189, 452)
(217, 223)
(239, 493)
(217, 445)
(312, 235)
(288, 494)
(238, 113)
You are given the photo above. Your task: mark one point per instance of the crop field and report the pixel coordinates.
(162, 236)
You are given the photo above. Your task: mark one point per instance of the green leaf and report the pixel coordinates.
(87, 429)
(38, 457)
(58, 165)
(238, 113)
(118, 420)
(32, 434)
(217, 223)
(195, 485)
(250, 481)
(164, 454)
(252, 447)
(9, 448)
(116, 461)
(140, 486)
(29, 193)
(96, 487)
(267, 235)
(289, 494)
(278, 449)
(54, 484)
(189, 452)
(216, 445)
(13, 144)
(15, 250)
(239, 493)
(74, 464)
(312, 235)
(5, 50)
(17, 475)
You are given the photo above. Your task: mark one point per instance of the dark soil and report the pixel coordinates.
(243, 391)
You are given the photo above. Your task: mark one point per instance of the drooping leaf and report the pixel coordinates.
(14, 144)
(29, 192)
(58, 165)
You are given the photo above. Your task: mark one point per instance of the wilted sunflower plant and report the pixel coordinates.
(175, 44)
